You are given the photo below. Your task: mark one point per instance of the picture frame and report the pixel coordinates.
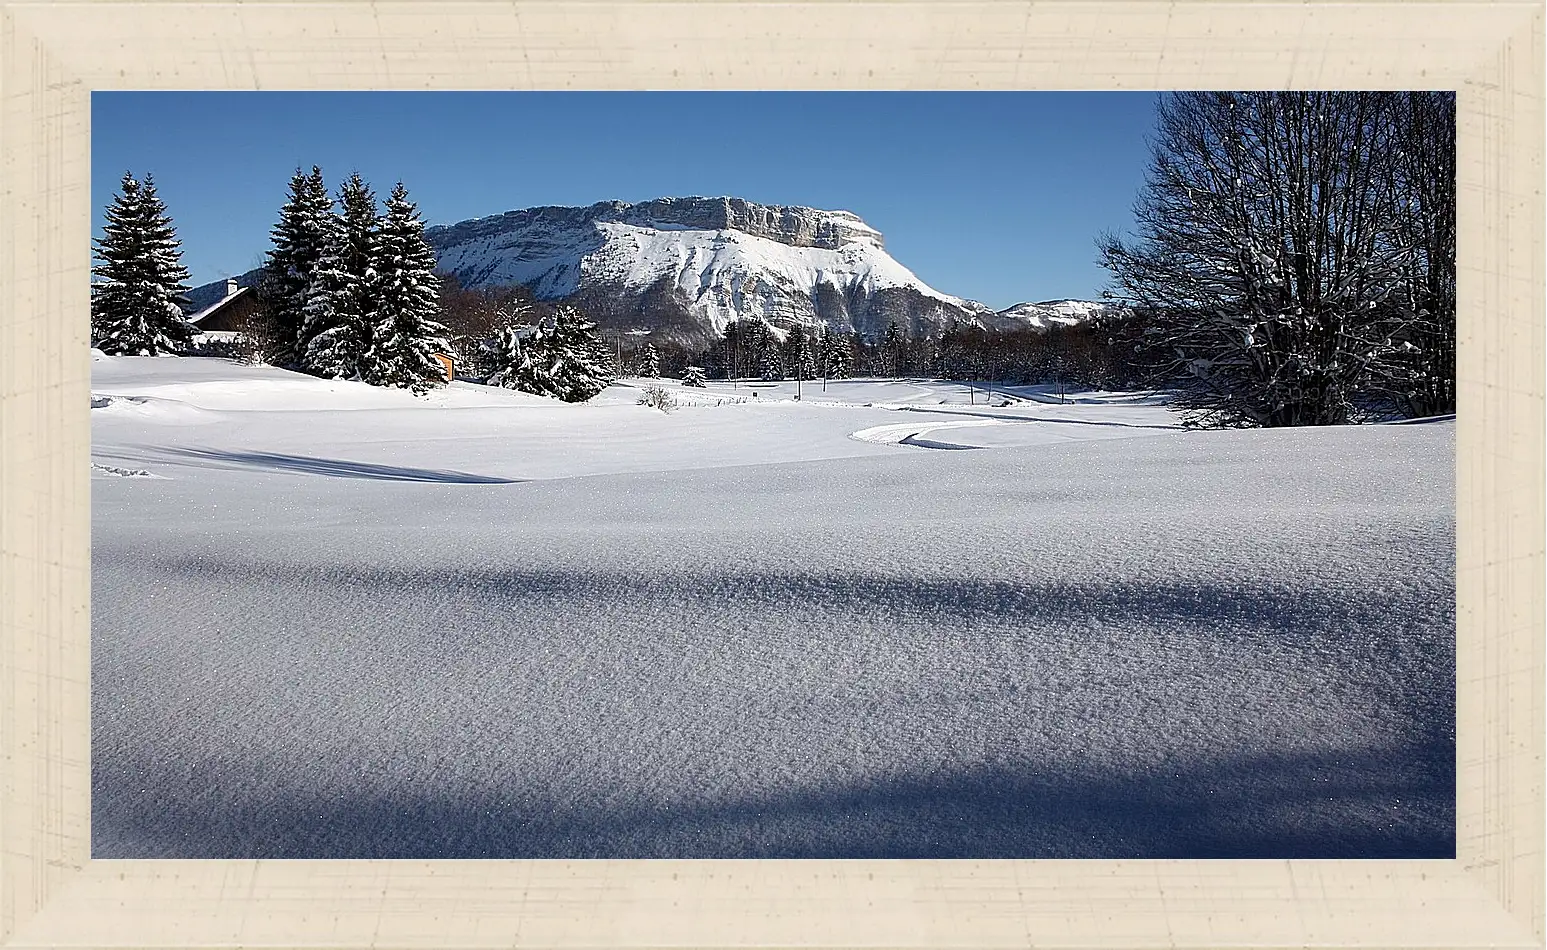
(53, 55)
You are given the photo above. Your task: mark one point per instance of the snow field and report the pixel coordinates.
(646, 636)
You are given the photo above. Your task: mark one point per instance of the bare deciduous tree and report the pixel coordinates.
(1273, 262)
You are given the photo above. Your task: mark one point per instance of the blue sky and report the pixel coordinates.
(993, 196)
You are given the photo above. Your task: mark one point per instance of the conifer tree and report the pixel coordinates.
(405, 334)
(564, 357)
(512, 361)
(769, 359)
(132, 308)
(648, 364)
(694, 376)
(582, 365)
(303, 235)
(836, 358)
(798, 358)
(891, 350)
(340, 312)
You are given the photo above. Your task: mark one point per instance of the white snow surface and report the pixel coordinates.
(726, 273)
(1053, 312)
(348, 622)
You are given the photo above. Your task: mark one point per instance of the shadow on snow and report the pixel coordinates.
(1395, 800)
(1308, 805)
(336, 468)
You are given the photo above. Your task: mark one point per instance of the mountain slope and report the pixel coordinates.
(691, 265)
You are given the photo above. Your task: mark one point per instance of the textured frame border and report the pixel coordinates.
(53, 54)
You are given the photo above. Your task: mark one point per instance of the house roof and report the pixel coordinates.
(215, 307)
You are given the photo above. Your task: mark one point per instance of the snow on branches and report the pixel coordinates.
(134, 311)
(1296, 261)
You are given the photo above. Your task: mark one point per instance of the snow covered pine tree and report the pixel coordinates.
(340, 309)
(836, 355)
(132, 308)
(694, 376)
(798, 358)
(582, 364)
(562, 357)
(648, 363)
(891, 350)
(770, 354)
(511, 360)
(405, 334)
(305, 231)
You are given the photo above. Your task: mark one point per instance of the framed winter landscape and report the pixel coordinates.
(945, 508)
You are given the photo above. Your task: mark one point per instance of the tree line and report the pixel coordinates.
(1097, 353)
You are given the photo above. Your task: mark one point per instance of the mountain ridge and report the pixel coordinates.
(684, 267)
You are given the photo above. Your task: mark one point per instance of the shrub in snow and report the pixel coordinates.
(565, 358)
(694, 377)
(133, 312)
(656, 398)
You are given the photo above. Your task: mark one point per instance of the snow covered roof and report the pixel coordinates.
(217, 306)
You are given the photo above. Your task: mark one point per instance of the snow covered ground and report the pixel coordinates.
(336, 621)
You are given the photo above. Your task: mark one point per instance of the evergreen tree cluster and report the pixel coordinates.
(799, 359)
(139, 276)
(1098, 353)
(749, 348)
(353, 294)
(562, 356)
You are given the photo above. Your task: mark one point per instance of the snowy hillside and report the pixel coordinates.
(887, 620)
(1053, 312)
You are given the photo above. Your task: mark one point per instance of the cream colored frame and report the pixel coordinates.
(52, 55)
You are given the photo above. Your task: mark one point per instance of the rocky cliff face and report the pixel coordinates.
(684, 267)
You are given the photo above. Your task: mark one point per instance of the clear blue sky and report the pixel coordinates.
(993, 196)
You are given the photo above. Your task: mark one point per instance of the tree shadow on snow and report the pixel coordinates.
(1391, 801)
(337, 468)
(1387, 803)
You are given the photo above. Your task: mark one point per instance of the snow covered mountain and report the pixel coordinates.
(685, 267)
(1050, 313)
(688, 266)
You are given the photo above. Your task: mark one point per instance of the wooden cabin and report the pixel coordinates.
(228, 314)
